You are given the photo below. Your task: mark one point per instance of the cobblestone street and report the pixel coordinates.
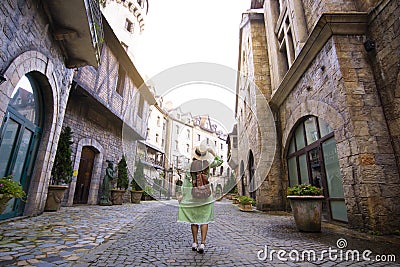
(148, 235)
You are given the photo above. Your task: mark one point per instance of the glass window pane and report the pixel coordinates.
(324, 128)
(315, 167)
(22, 153)
(338, 210)
(311, 130)
(292, 168)
(24, 101)
(7, 144)
(332, 169)
(292, 147)
(300, 137)
(303, 169)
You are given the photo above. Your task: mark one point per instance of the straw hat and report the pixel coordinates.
(203, 156)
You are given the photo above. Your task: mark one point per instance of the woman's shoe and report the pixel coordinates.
(201, 249)
(194, 246)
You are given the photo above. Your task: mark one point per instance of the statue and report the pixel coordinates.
(106, 186)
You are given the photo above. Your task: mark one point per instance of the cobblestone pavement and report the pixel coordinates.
(148, 235)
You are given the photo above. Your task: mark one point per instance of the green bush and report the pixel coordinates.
(10, 188)
(304, 190)
(138, 182)
(122, 178)
(62, 168)
(246, 200)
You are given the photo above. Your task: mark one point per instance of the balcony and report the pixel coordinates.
(77, 25)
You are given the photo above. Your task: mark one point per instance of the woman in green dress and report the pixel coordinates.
(198, 211)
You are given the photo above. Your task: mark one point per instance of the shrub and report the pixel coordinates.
(304, 190)
(122, 178)
(62, 168)
(10, 188)
(246, 200)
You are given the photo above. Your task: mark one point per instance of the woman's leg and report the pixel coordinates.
(204, 229)
(195, 230)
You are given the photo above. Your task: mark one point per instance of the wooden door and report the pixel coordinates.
(84, 176)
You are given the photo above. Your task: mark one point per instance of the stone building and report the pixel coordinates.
(329, 71)
(40, 46)
(107, 110)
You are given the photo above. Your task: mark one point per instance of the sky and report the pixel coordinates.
(188, 31)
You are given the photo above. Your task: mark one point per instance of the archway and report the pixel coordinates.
(251, 171)
(20, 134)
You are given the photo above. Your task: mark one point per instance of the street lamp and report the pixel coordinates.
(171, 171)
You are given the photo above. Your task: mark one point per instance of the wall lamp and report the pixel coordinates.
(2, 78)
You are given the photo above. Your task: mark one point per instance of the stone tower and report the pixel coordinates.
(127, 19)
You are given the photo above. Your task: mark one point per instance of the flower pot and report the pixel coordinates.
(235, 200)
(55, 196)
(245, 207)
(117, 196)
(3, 202)
(307, 212)
(136, 196)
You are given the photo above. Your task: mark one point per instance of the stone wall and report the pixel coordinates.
(339, 88)
(28, 47)
(385, 59)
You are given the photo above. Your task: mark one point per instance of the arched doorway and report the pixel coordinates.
(82, 187)
(19, 138)
(312, 159)
(241, 174)
(251, 171)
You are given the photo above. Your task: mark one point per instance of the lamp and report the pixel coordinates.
(2, 78)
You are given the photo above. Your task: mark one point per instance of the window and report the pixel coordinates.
(188, 134)
(187, 148)
(177, 129)
(208, 140)
(198, 137)
(221, 171)
(157, 138)
(129, 25)
(176, 145)
(162, 142)
(222, 146)
(312, 158)
(158, 121)
(141, 107)
(148, 132)
(121, 80)
(125, 46)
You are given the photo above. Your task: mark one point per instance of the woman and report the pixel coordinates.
(198, 211)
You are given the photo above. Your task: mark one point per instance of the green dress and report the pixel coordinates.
(192, 210)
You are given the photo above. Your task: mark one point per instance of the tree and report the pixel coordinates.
(138, 177)
(62, 169)
(122, 178)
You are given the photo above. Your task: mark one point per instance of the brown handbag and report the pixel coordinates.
(201, 188)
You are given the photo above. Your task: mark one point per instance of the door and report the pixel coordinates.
(19, 139)
(84, 176)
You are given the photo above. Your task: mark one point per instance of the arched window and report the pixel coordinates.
(19, 137)
(312, 159)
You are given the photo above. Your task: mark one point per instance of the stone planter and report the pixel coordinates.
(55, 196)
(307, 212)
(136, 196)
(117, 196)
(245, 207)
(3, 202)
(235, 200)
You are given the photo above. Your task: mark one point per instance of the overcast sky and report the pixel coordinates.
(187, 31)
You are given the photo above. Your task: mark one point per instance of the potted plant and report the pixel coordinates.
(235, 199)
(245, 203)
(137, 183)
(9, 189)
(306, 203)
(61, 174)
(117, 194)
